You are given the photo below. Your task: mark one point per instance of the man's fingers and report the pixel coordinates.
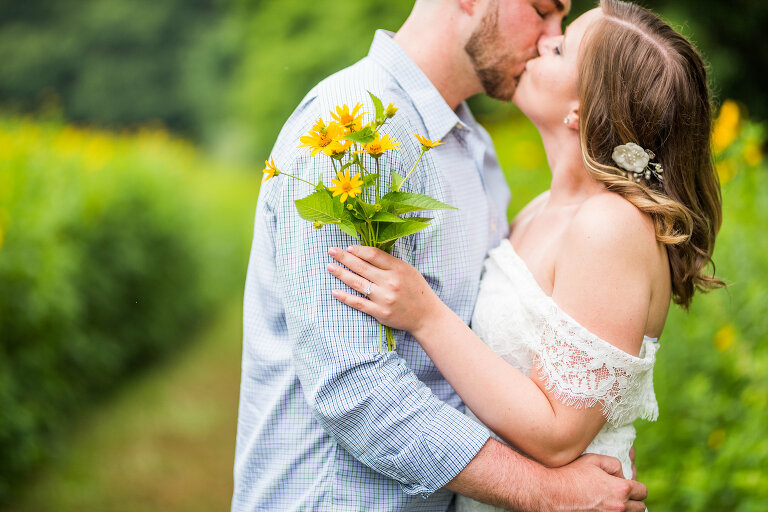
(635, 506)
(637, 491)
(610, 465)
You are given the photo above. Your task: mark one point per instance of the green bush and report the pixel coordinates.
(112, 249)
(708, 450)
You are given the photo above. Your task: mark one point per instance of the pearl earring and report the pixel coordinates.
(567, 120)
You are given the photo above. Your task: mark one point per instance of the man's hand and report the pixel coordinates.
(592, 483)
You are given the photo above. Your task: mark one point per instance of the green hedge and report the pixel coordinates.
(708, 451)
(113, 248)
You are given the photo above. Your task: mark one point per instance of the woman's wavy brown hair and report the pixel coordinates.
(642, 82)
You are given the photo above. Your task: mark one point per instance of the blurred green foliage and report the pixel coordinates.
(708, 450)
(229, 72)
(113, 248)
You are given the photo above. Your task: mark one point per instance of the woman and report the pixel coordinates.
(571, 307)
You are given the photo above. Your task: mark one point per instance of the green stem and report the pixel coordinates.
(378, 177)
(412, 168)
(297, 178)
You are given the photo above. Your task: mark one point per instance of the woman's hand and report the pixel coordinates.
(397, 294)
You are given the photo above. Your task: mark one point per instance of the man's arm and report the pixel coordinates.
(372, 404)
(500, 476)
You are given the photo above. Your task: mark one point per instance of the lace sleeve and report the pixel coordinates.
(583, 370)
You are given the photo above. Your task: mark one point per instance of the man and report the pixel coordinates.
(328, 423)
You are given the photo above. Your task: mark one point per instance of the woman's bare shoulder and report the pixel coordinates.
(529, 210)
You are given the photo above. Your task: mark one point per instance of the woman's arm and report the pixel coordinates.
(600, 280)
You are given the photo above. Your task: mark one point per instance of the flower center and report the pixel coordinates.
(347, 186)
(374, 148)
(324, 140)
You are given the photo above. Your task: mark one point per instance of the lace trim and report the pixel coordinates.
(582, 370)
(578, 367)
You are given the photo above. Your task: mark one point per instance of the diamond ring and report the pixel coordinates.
(367, 290)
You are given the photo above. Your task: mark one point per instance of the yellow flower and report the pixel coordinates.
(752, 154)
(427, 144)
(347, 119)
(270, 171)
(346, 186)
(726, 170)
(337, 148)
(379, 145)
(321, 136)
(390, 111)
(724, 337)
(726, 128)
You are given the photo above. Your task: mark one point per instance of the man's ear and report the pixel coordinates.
(468, 6)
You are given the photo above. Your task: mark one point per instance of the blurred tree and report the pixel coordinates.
(116, 62)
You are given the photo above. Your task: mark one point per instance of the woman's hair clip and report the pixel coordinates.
(636, 161)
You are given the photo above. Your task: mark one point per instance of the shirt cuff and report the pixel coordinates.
(443, 449)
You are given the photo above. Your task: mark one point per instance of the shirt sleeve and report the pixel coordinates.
(372, 404)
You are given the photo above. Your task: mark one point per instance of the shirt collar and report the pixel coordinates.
(437, 116)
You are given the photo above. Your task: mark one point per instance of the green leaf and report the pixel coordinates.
(370, 179)
(397, 180)
(404, 202)
(320, 206)
(379, 107)
(368, 209)
(398, 230)
(364, 136)
(384, 216)
(347, 226)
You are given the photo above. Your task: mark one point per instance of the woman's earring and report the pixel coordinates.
(567, 120)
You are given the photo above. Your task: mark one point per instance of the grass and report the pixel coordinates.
(165, 442)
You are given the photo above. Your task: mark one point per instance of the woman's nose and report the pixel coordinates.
(545, 45)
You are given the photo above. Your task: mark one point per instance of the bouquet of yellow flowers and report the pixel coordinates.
(354, 202)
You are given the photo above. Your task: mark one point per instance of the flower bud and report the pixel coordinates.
(317, 224)
(377, 207)
(350, 207)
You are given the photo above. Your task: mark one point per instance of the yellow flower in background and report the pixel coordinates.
(270, 171)
(427, 144)
(346, 186)
(726, 128)
(726, 170)
(379, 145)
(318, 139)
(716, 439)
(724, 337)
(752, 154)
(351, 120)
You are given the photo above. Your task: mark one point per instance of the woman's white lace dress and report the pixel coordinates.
(523, 325)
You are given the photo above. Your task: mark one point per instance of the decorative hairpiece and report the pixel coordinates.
(636, 161)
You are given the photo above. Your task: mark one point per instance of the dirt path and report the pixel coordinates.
(165, 443)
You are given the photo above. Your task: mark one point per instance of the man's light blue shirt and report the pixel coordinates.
(326, 422)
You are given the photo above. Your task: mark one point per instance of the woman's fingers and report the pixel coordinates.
(354, 281)
(374, 256)
(355, 264)
(357, 302)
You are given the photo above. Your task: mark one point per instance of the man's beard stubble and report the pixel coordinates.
(490, 64)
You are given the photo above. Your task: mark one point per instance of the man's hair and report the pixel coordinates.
(642, 82)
